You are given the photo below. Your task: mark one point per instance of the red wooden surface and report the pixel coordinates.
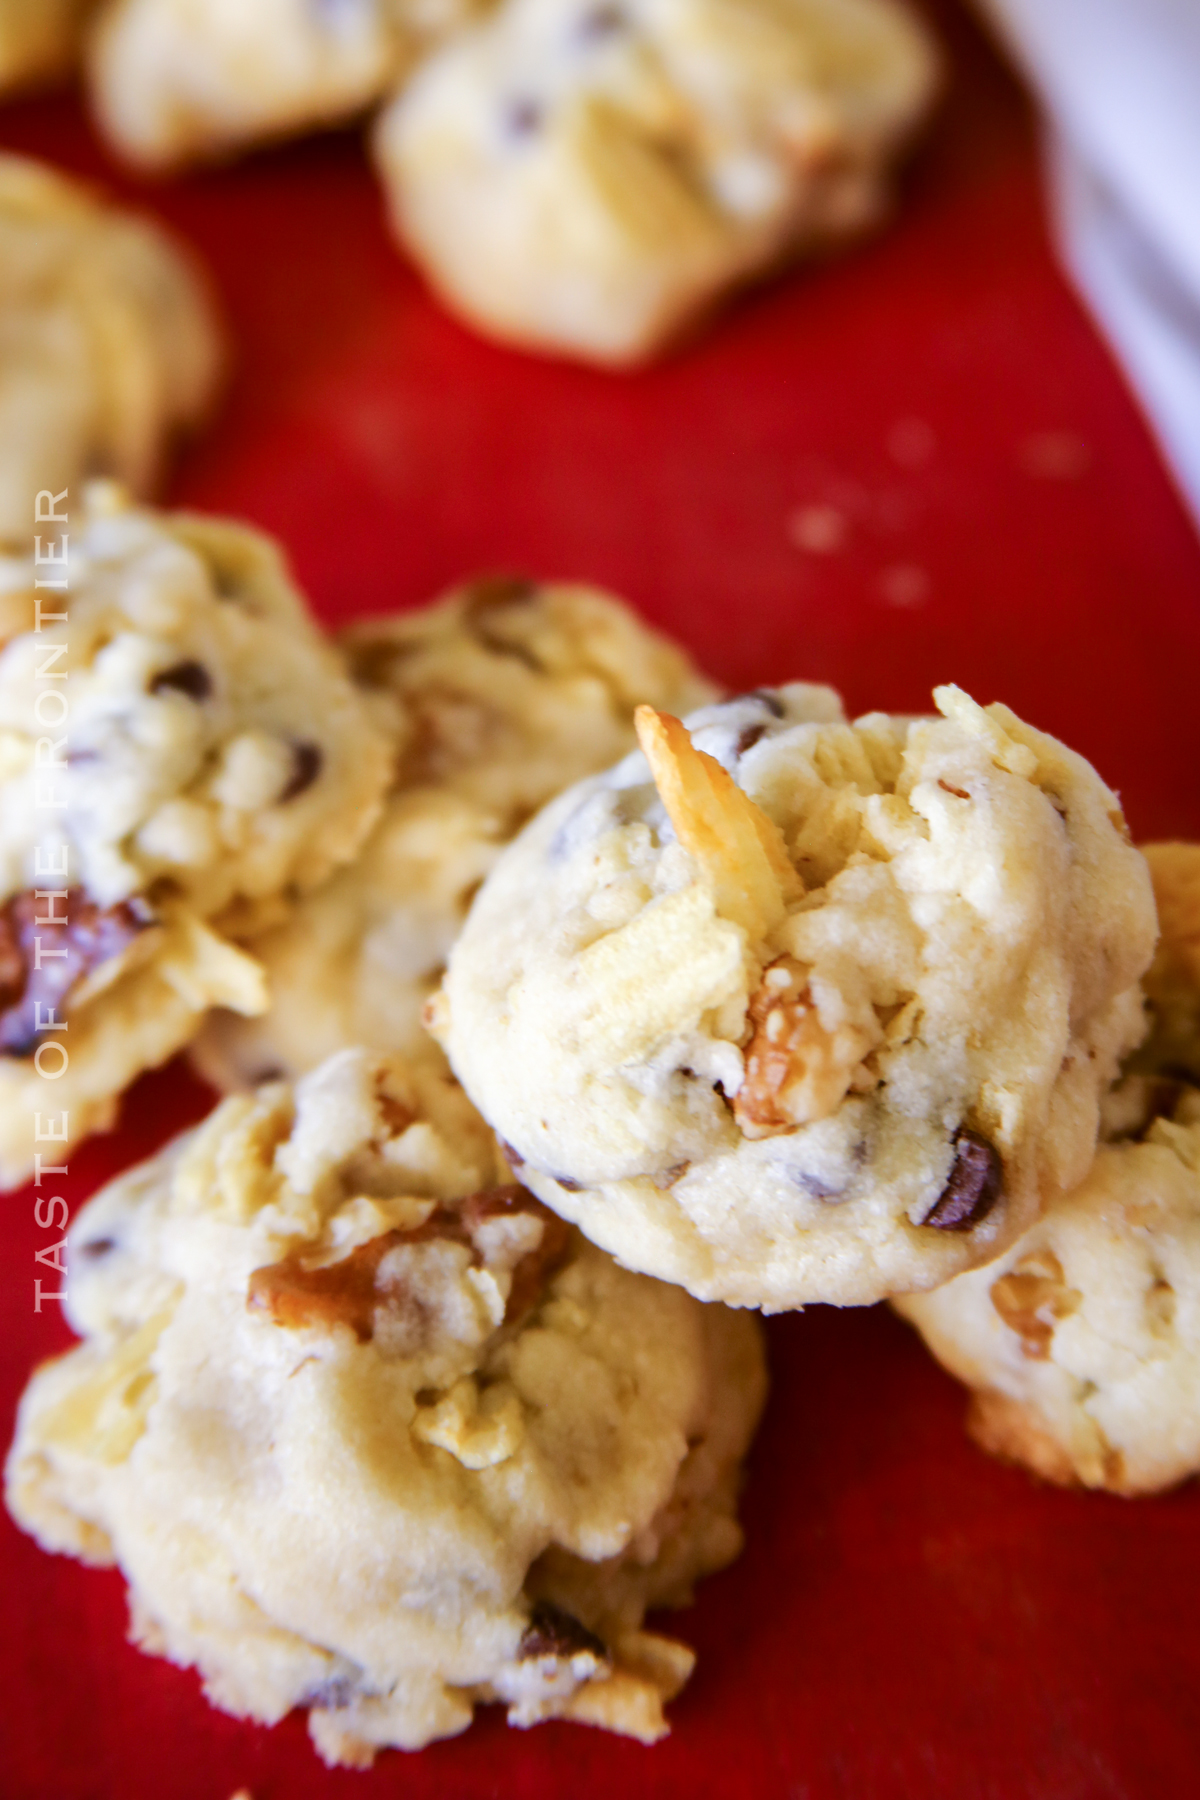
(908, 1620)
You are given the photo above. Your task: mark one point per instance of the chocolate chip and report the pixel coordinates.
(487, 591)
(523, 119)
(766, 697)
(976, 1183)
(601, 22)
(749, 738)
(97, 1248)
(568, 1183)
(190, 678)
(553, 1632)
(488, 598)
(512, 1155)
(306, 766)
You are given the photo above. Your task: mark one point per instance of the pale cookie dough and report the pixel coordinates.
(175, 81)
(181, 751)
(590, 176)
(821, 1017)
(109, 344)
(370, 1434)
(1173, 984)
(39, 39)
(1082, 1344)
(511, 691)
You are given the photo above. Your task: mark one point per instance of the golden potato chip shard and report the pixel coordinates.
(740, 850)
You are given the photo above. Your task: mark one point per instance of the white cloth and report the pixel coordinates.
(1120, 80)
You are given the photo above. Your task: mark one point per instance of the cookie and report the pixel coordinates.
(1082, 1345)
(39, 40)
(1173, 984)
(212, 758)
(590, 178)
(511, 691)
(804, 1010)
(176, 81)
(371, 1432)
(109, 345)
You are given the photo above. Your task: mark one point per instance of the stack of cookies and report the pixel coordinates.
(567, 1013)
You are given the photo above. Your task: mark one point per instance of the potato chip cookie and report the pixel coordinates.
(511, 691)
(178, 746)
(1082, 1344)
(807, 1010)
(109, 345)
(176, 81)
(39, 39)
(588, 177)
(371, 1432)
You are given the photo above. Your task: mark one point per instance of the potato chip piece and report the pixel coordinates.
(740, 850)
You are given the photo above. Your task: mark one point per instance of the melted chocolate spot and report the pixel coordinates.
(306, 766)
(190, 678)
(976, 1183)
(553, 1632)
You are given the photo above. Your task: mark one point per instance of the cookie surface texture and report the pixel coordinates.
(589, 178)
(1082, 1344)
(370, 1432)
(510, 692)
(822, 1014)
(213, 759)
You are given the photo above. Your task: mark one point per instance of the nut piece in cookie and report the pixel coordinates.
(1081, 1345)
(109, 347)
(591, 179)
(369, 1431)
(792, 1009)
(510, 690)
(215, 761)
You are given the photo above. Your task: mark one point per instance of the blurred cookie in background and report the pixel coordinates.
(179, 81)
(109, 343)
(590, 177)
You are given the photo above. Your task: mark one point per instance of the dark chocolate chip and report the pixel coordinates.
(523, 119)
(306, 766)
(766, 697)
(553, 1632)
(749, 738)
(565, 1181)
(601, 22)
(976, 1183)
(96, 1248)
(190, 678)
(512, 1155)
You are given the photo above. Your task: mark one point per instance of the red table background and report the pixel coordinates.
(909, 1620)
